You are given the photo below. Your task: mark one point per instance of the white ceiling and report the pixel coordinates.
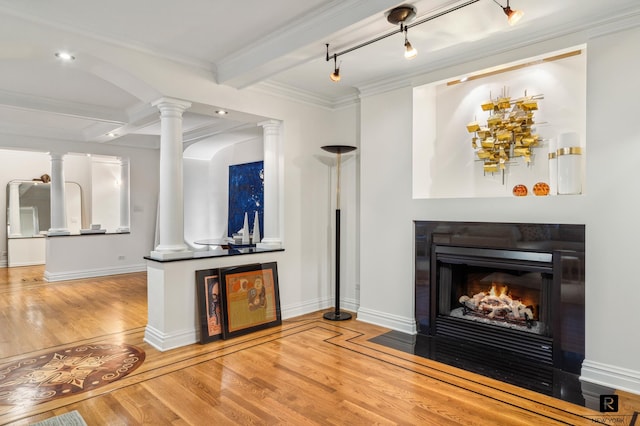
(277, 45)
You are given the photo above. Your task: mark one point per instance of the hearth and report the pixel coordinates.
(503, 293)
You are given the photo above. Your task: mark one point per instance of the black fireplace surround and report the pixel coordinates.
(504, 297)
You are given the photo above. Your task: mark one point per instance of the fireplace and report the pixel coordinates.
(494, 297)
(505, 297)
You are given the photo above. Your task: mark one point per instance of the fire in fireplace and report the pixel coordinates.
(500, 304)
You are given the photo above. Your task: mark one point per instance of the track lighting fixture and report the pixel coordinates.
(513, 16)
(403, 15)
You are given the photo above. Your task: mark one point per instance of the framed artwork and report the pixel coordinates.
(246, 195)
(251, 298)
(209, 304)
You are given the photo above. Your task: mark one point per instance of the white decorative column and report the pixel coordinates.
(124, 195)
(171, 197)
(272, 181)
(14, 210)
(58, 204)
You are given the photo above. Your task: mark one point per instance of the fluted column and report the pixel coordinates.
(272, 181)
(14, 210)
(124, 195)
(58, 205)
(171, 197)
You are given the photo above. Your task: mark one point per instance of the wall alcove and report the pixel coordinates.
(445, 165)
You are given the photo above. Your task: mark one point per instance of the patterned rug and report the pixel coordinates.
(72, 418)
(66, 372)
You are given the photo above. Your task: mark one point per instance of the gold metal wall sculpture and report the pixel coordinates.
(508, 132)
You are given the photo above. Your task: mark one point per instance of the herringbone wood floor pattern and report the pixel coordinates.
(307, 371)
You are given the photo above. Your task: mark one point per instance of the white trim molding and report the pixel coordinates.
(91, 273)
(611, 376)
(383, 319)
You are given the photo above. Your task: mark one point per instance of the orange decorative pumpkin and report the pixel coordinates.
(520, 190)
(541, 188)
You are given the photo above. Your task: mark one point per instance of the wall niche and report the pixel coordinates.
(445, 164)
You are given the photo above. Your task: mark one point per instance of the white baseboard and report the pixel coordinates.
(164, 342)
(90, 273)
(394, 322)
(611, 376)
(303, 308)
(315, 306)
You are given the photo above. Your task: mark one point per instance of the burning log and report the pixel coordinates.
(497, 306)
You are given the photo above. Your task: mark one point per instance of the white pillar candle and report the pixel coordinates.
(569, 156)
(553, 167)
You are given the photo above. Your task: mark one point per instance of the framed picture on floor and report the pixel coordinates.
(251, 298)
(209, 304)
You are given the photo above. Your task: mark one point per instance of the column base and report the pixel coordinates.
(171, 255)
(54, 232)
(269, 243)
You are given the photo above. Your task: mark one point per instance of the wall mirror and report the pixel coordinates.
(29, 208)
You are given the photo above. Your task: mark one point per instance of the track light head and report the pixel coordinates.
(513, 16)
(335, 75)
(409, 51)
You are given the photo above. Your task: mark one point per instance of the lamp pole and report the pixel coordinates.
(336, 314)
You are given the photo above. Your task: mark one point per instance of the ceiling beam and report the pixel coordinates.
(274, 54)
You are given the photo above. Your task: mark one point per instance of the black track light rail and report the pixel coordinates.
(401, 29)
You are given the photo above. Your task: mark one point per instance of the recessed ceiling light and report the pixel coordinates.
(65, 56)
(222, 112)
(112, 135)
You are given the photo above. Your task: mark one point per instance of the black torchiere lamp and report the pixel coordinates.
(336, 315)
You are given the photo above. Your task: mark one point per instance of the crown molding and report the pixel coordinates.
(39, 132)
(54, 106)
(296, 94)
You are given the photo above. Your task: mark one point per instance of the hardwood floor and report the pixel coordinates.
(307, 371)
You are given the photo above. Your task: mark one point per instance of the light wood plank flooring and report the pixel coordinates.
(308, 371)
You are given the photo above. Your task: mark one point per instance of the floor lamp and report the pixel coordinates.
(336, 315)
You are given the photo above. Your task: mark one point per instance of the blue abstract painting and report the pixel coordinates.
(246, 195)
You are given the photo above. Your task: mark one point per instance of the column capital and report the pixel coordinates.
(57, 155)
(270, 124)
(171, 105)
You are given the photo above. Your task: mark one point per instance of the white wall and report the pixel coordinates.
(105, 193)
(608, 209)
(386, 238)
(612, 210)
